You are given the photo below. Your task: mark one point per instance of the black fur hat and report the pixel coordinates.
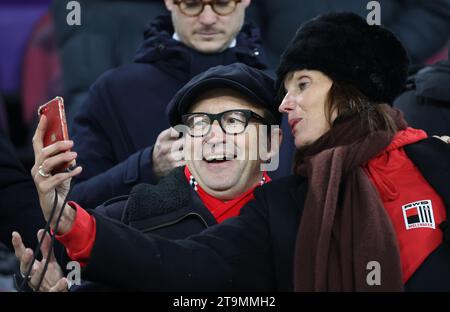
(346, 49)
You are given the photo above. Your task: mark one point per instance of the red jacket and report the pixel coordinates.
(415, 209)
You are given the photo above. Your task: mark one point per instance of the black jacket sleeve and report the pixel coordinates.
(234, 255)
(19, 202)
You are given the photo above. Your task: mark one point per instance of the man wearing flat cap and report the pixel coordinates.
(229, 118)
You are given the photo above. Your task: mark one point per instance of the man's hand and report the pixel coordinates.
(61, 286)
(163, 158)
(53, 276)
(46, 159)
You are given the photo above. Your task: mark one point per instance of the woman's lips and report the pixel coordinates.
(293, 123)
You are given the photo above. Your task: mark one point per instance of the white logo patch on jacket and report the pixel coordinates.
(419, 214)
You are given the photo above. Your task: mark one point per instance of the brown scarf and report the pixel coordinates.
(344, 225)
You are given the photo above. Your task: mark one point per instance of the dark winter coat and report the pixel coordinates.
(159, 209)
(19, 202)
(170, 209)
(426, 105)
(254, 251)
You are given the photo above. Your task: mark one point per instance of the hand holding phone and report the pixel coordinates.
(52, 155)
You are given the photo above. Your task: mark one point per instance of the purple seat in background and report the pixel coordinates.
(17, 18)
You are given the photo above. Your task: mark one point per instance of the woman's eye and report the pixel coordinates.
(303, 85)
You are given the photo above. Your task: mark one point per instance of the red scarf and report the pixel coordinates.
(222, 210)
(412, 204)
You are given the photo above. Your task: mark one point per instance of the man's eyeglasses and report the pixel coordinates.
(195, 7)
(232, 121)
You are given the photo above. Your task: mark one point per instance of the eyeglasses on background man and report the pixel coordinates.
(196, 7)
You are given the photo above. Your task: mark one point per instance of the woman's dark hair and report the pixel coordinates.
(344, 99)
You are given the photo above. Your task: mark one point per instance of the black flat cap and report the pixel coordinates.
(346, 49)
(253, 83)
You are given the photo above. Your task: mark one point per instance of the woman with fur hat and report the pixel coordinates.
(366, 209)
(366, 197)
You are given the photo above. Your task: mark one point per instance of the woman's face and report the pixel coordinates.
(306, 95)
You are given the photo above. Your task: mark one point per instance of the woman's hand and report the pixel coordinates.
(46, 159)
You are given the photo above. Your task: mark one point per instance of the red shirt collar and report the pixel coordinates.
(220, 209)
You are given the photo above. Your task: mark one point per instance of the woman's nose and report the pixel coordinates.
(287, 104)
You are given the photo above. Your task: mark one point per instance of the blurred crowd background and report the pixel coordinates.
(41, 56)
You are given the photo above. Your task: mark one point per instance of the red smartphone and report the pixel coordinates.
(56, 126)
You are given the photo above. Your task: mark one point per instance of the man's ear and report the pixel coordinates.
(169, 4)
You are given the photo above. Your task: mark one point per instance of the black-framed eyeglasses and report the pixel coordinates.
(232, 121)
(195, 7)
